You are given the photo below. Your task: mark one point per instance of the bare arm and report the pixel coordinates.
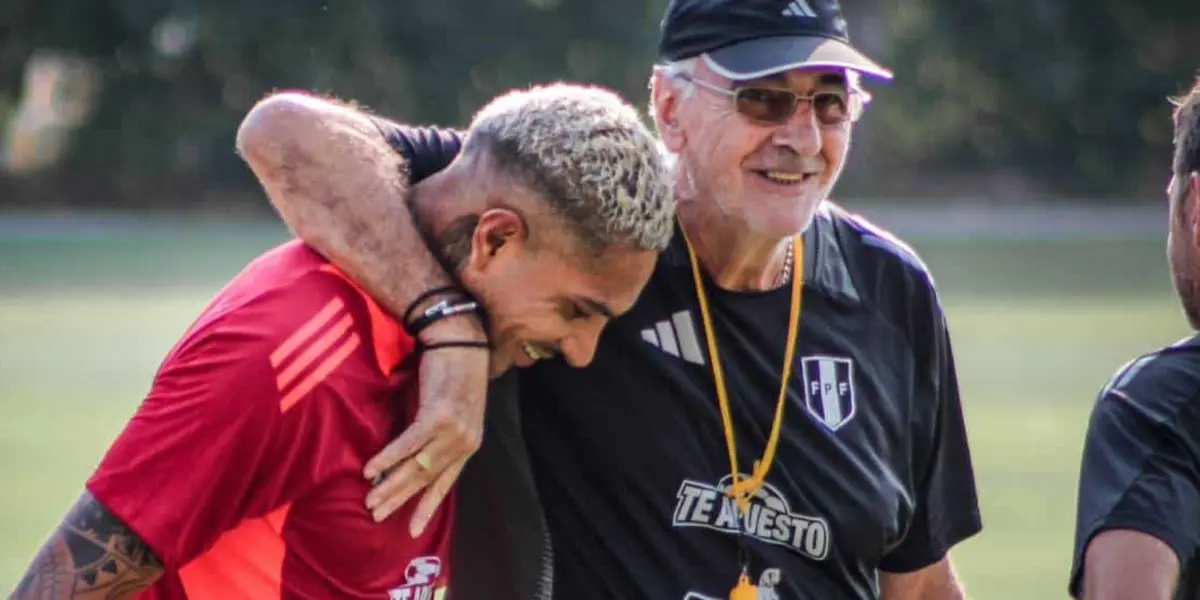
(341, 188)
(91, 556)
(1122, 564)
(336, 182)
(935, 582)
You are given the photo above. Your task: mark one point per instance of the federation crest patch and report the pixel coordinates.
(829, 389)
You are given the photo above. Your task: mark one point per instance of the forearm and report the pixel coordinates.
(90, 556)
(336, 182)
(935, 582)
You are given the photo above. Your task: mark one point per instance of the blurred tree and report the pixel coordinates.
(1068, 96)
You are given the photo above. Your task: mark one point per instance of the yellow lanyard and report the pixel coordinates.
(743, 491)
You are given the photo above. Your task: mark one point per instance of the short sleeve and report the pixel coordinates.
(182, 470)
(232, 426)
(1138, 472)
(946, 511)
(427, 150)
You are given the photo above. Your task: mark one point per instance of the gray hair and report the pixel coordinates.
(590, 157)
(680, 72)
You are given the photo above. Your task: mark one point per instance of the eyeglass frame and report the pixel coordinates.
(851, 92)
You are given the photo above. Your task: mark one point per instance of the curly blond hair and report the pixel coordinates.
(588, 154)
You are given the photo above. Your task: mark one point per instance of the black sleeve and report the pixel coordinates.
(500, 533)
(427, 150)
(1139, 468)
(947, 506)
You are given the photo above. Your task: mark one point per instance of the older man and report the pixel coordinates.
(724, 443)
(1137, 532)
(240, 474)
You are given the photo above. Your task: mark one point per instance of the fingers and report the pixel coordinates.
(399, 486)
(445, 396)
(447, 430)
(416, 436)
(433, 498)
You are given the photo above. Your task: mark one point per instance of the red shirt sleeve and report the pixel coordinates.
(222, 434)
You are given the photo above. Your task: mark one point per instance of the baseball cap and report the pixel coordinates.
(748, 39)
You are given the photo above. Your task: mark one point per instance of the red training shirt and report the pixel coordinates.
(242, 469)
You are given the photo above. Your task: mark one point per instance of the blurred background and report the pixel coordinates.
(1023, 150)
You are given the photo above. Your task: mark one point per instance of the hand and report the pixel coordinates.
(447, 430)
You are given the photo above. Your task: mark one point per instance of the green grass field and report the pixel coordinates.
(1038, 327)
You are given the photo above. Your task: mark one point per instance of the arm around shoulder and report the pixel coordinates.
(336, 181)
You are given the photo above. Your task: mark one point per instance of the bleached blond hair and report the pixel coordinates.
(588, 154)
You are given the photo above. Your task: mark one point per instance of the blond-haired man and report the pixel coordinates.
(240, 476)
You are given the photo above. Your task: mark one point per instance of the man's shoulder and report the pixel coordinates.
(1161, 382)
(290, 299)
(869, 245)
(859, 259)
(275, 289)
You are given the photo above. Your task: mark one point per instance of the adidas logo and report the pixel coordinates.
(799, 8)
(676, 336)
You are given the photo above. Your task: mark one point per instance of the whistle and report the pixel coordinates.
(744, 590)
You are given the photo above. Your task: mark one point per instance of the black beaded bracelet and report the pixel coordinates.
(437, 312)
(455, 344)
(448, 289)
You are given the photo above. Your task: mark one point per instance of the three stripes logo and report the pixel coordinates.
(314, 351)
(799, 8)
(676, 336)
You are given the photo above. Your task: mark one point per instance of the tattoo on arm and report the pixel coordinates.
(338, 184)
(91, 556)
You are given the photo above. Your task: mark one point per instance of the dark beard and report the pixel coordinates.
(1188, 288)
(1182, 256)
(453, 245)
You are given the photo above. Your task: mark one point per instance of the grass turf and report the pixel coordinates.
(1038, 327)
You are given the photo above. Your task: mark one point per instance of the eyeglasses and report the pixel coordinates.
(775, 106)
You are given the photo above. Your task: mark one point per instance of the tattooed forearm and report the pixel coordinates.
(340, 187)
(91, 556)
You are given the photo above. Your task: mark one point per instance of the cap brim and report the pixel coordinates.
(763, 57)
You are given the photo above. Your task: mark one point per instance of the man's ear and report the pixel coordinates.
(666, 94)
(499, 233)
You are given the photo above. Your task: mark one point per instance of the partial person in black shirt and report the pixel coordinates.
(1137, 528)
(778, 416)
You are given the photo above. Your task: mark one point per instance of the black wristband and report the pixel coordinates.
(427, 294)
(437, 312)
(455, 344)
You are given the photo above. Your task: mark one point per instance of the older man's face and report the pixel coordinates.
(770, 176)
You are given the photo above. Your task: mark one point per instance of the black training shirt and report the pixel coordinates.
(627, 461)
(1141, 460)
(872, 472)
